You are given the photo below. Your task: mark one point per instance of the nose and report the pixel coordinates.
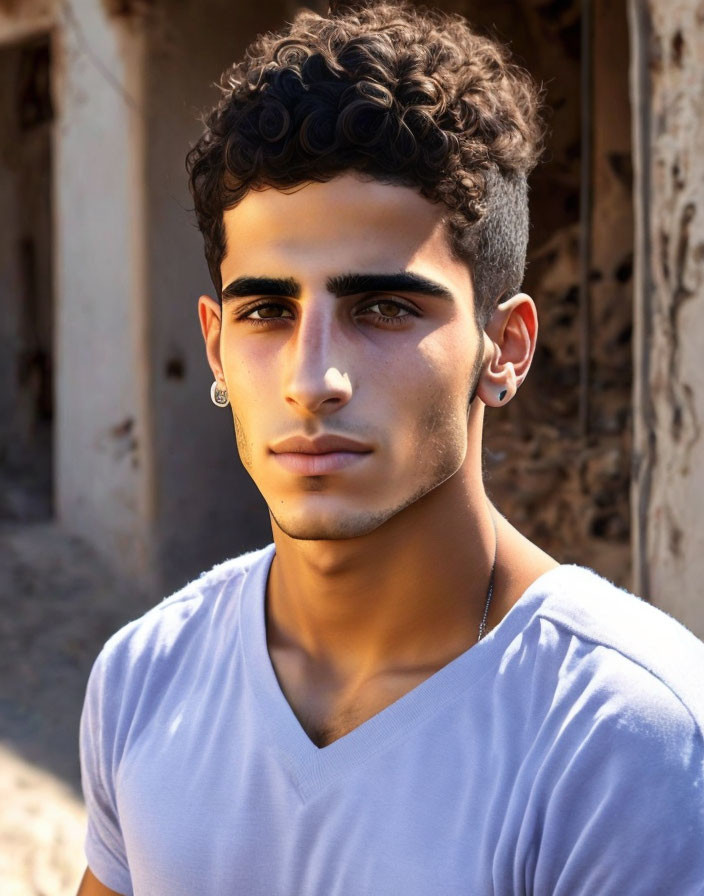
(316, 379)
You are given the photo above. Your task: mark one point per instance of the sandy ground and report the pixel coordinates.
(58, 605)
(41, 831)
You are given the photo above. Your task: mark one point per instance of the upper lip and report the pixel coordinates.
(318, 445)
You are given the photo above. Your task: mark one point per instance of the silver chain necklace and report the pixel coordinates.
(490, 592)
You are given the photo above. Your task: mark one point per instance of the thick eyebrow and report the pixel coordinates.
(405, 281)
(341, 285)
(242, 287)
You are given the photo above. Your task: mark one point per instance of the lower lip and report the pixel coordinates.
(317, 464)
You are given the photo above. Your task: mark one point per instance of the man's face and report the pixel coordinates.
(339, 345)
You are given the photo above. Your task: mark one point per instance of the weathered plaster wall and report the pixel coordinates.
(668, 88)
(103, 436)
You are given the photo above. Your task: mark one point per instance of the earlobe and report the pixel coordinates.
(511, 332)
(498, 383)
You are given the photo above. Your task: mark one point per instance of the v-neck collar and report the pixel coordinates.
(311, 767)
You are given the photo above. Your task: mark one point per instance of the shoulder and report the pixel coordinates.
(640, 660)
(166, 630)
(152, 662)
(615, 757)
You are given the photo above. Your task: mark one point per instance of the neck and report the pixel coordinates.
(409, 594)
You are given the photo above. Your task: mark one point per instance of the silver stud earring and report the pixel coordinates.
(219, 396)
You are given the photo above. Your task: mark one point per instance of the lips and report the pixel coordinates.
(320, 455)
(325, 444)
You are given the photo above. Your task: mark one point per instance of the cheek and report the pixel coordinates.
(245, 361)
(441, 409)
(442, 428)
(247, 383)
(245, 388)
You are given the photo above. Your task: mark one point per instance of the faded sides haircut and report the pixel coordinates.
(400, 94)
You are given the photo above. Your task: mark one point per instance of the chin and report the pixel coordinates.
(314, 527)
(305, 521)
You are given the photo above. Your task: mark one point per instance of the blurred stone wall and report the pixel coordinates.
(566, 490)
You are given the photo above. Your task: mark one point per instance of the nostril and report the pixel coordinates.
(330, 387)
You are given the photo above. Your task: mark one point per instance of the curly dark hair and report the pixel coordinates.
(404, 95)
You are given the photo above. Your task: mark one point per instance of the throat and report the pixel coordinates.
(327, 711)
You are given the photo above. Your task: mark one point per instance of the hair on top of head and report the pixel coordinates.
(402, 94)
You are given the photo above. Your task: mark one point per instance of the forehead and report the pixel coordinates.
(346, 224)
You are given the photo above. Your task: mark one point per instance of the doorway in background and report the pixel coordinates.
(26, 295)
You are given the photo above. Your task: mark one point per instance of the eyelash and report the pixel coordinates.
(385, 321)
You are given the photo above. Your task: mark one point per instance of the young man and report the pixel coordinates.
(401, 694)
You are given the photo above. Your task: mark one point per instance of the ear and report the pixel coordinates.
(210, 314)
(509, 346)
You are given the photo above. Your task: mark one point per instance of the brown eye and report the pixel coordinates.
(267, 312)
(390, 309)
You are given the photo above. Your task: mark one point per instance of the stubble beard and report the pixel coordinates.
(363, 522)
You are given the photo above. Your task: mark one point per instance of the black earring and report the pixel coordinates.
(502, 394)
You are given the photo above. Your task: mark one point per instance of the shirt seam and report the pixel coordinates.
(574, 630)
(201, 585)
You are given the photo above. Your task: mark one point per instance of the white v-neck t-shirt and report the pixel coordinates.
(562, 755)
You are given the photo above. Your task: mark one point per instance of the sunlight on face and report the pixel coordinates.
(345, 314)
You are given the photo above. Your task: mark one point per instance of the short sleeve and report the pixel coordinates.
(104, 845)
(626, 812)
